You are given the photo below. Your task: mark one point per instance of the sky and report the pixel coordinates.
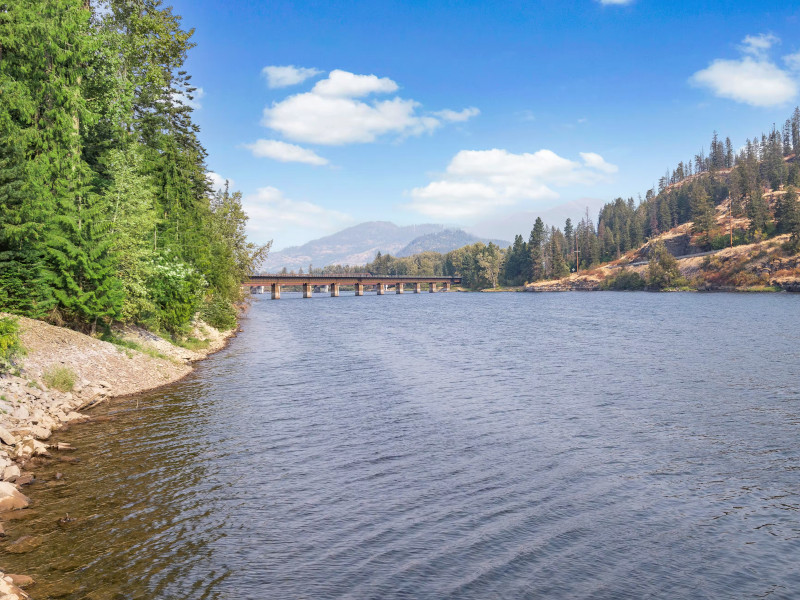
(474, 114)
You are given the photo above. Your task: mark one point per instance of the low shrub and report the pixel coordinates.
(624, 280)
(10, 345)
(59, 378)
(724, 241)
(219, 313)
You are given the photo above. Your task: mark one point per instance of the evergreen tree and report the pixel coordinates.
(662, 270)
(536, 250)
(702, 215)
(787, 213)
(758, 212)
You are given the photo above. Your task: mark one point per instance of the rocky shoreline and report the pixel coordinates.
(30, 410)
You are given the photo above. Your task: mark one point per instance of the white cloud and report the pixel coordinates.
(331, 114)
(595, 161)
(753, 79)
(793, 61)
(455, 116)
(478, 181)
(278, 77)
(284, 152)
(758, 45)
(349, 85)
(218, 181)
(274, 216)
(749, 80)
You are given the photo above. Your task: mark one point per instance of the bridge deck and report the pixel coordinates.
(257, 280)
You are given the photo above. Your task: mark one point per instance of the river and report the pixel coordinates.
(578, 445)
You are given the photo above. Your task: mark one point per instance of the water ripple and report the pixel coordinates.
(447, 446)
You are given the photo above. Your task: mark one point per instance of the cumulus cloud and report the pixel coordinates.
(758, 45)
(595, 161)
(285, 152)
(274, 216)
(478, 181)
(754, 78)
(218, 181)
(279, 77)
(349, 85)
(336, 112)
(458, 116)
(793, 61)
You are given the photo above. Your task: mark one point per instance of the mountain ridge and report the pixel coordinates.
(356, 245)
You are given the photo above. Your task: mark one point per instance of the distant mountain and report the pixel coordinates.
(355, 245)
(445, 241)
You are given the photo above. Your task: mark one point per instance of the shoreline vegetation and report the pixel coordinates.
(62, 373)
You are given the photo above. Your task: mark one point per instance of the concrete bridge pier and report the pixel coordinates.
(308, 290)
(446, 287)
(432, 289)
(359, 289)
(398, 288)
(380, 289)
(276, 291)
(334, 290)
(417, 288)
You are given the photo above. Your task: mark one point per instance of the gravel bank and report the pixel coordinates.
(30, 410)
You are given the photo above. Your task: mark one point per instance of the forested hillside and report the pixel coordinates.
(106, 213)
(730, 198)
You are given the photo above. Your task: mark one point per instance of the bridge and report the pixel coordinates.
(359, 281)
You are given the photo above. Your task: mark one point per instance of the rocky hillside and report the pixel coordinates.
(761, 266)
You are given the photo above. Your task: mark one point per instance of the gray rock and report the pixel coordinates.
(6, 437)
(21, 412)
(11, 473)
(40, 433)
(11, 498)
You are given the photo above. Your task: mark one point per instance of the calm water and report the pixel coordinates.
(448, 446)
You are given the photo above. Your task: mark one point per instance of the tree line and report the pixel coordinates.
(691, 192)
(106, 212)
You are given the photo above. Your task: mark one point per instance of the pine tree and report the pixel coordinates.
(758, 212)
(702, 215)
(787, 213)
(536, 251)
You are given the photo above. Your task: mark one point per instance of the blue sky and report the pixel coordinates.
(476, 114)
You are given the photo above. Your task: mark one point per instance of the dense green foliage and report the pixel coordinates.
(10, 345)
(624, 280)
(105, 209)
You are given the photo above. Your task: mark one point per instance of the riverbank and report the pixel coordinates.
(760, 267)
(63, 373)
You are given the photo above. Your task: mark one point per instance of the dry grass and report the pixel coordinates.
(59, 378)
